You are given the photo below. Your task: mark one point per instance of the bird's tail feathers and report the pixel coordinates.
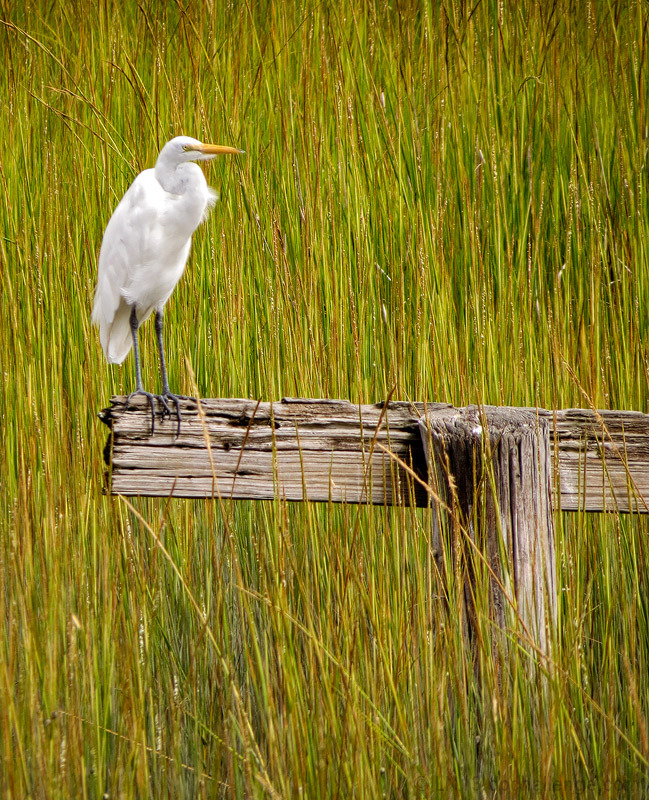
(116, 337)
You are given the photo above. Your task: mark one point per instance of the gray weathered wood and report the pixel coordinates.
(334, 450)
(320, 450)
(491, 469)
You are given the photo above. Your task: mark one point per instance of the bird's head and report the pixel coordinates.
(184, 148)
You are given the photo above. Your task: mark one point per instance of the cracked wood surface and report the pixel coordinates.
(333, 450)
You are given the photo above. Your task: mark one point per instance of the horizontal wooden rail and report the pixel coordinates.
(333, 450)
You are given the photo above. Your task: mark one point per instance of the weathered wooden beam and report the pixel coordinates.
(333, 450)
(296, 449)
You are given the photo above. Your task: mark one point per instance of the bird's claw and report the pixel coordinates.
(150, 397)
(175, 399)
(181, 396)
(167, 411)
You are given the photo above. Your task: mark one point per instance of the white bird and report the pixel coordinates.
(145, 249)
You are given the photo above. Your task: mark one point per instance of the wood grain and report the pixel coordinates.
(333, 450)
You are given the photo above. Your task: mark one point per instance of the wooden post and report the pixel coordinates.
(491, 469)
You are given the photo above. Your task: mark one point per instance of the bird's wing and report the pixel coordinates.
(134, 223)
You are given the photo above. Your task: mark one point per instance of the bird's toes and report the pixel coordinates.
(166, 408)
(175, 399)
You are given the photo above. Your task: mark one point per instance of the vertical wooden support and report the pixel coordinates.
(491, 469)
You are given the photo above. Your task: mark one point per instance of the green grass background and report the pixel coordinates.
(449, 200)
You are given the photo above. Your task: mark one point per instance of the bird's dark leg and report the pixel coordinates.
(166, 391)
(138, 374)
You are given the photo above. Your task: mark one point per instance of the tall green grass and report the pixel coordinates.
(446, 201)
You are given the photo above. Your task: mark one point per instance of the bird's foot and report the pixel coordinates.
(166, 410)
(175, 399)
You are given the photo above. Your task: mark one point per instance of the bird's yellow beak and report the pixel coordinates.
(218, 150)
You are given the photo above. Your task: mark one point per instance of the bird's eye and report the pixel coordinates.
(185, 147)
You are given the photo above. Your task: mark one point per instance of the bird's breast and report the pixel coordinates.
(184, 213)
(156, 234)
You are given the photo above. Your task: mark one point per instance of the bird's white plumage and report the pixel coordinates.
(147, 241)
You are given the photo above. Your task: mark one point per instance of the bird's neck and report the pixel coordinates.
(174, 178)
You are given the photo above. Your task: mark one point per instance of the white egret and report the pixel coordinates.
(144, 251)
